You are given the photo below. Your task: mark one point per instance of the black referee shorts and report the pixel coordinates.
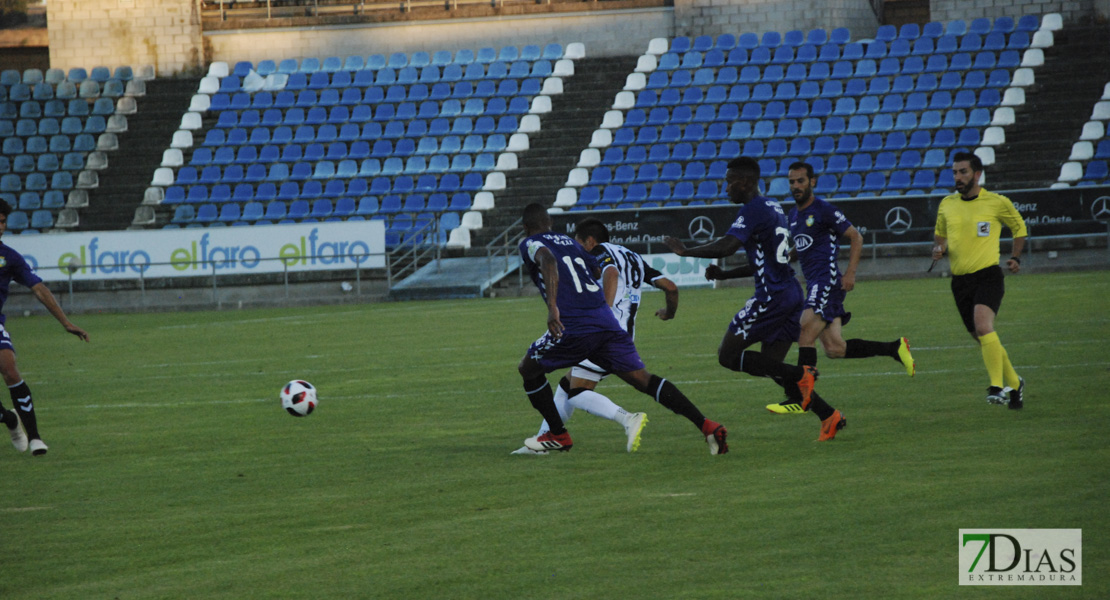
(985, 286)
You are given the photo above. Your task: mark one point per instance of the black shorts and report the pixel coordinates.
(985, 286)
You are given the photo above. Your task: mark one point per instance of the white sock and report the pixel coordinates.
(600, 406)
(562, 405)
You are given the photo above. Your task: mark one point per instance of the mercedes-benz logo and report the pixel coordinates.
(1100, 208)
(701, 229)
(898, 220)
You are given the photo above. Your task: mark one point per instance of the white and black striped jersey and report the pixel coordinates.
(634, 274)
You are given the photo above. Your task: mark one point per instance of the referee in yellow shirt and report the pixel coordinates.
(969, 224)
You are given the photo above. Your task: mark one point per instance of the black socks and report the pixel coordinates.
(21, 396)
(542, 399)
(665, 393)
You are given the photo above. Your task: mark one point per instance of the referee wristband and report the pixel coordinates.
(1015, 259)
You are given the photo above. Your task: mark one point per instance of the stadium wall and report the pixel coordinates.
(595, 29)
(165, 33)
(714, 17)
(947, 10)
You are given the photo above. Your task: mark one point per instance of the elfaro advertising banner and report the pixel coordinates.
(96, 255)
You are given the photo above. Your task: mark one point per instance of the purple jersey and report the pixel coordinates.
(582, 307)
(13, 267)
(816, 231)
(761, 226)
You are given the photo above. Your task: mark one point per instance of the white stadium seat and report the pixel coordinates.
(1033, 57)
(518, 142)
(1082, 151)
(506, 161)
(635, 82)
(566, 197)
(552, 86)
(1023, 77)
(182, 139)
(658, 46)
(646, 63)
(494, 181)
(200, 103)
(1071, 171)
(218, 69)
(529, 124)
(613, 119)
(163, 176)
(985, 154)
(994, 136)
(541, 105)
(482, 201)
(1052, 22)
(1003, 116)
(624, 100)
(1093, 130)
(589, 157)
(578, 176)
(471, 219)
(208, 85)
(602, 138)
(564, 67)
(575, 51)
(1101, 112)
(1014, 96)
(191, 121)
(1042, 39)
(172, 157)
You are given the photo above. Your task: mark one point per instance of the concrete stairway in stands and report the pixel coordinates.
(130, 168)
(555, 149)
(1066, 87)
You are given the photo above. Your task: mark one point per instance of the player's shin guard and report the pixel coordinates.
(668, 395)
(1009, 375)
(562, 404)
(807, 356)
(992, 357)
(543, 400)
(819, 407)
(21, 396)
(856, 348)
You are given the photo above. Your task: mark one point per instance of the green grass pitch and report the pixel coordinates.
(174, 473)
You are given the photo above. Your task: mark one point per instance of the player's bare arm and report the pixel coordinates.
(855, 250)
(670, 291)
(610, 281)
(550, 272)
(714, 272)
(940, 244)
(725, 246)
(1014, 262)
(43, 294)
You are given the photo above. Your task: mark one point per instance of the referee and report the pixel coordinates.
(969, 224)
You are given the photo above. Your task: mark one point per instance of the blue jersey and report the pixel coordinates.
(816, 231)
(761, 226)
(13, 267)
(582, 306)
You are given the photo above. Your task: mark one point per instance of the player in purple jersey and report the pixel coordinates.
(816, 227)
(771, 315)
(624, 273)
(580, 326)
(14, 268)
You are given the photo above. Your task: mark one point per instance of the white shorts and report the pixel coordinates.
(588, 371)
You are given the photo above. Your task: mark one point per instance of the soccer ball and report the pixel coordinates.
(298, 397)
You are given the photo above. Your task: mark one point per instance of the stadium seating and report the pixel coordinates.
(910, 93)
(50, 124)
(387, 126)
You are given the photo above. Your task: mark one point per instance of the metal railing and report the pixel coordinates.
(271, 9)
(408, 261)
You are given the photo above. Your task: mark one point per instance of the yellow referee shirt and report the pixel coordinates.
(973, 228)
